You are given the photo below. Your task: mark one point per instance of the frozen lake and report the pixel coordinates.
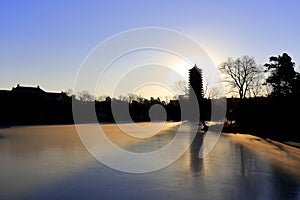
(50, 162)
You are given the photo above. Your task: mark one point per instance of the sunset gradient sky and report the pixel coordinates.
(44, 42)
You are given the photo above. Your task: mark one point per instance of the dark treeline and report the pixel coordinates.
(269, 115)
(29, 105)
(32, 105)
(276, 112)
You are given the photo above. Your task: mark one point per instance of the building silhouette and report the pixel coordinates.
(33, 105)
(196, 82)
(196, 96)
(37, 92)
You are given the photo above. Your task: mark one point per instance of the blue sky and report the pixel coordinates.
(44, 42)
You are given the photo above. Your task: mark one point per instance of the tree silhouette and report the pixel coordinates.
(258, 86)
(85, 96)
(296, 85)
(282, 75)
(182, 87)
(240, 74)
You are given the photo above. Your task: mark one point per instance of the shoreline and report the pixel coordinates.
(3, 126)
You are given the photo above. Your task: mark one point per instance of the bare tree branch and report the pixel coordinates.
(182, 87)
(241, 74)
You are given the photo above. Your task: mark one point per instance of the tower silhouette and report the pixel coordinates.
(196, 91)
(196, 82)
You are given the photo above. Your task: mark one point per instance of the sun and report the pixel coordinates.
(182, 67)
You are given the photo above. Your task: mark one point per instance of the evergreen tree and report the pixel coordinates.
(283, 77)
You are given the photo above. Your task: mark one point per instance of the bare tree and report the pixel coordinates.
(214, 93)
(182, 87)
(257, 88)
(240, 74)
(267, 89)
(123, 98)
(85, 96)
(210, 91)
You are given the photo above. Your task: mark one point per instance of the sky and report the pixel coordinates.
(45, 42)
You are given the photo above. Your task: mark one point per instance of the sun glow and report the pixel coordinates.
(157, 91)
(182, 67)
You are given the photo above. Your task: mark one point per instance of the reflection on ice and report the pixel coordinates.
(49, 162)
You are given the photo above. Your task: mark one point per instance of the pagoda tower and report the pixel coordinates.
(197, 97)
(196, 82)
